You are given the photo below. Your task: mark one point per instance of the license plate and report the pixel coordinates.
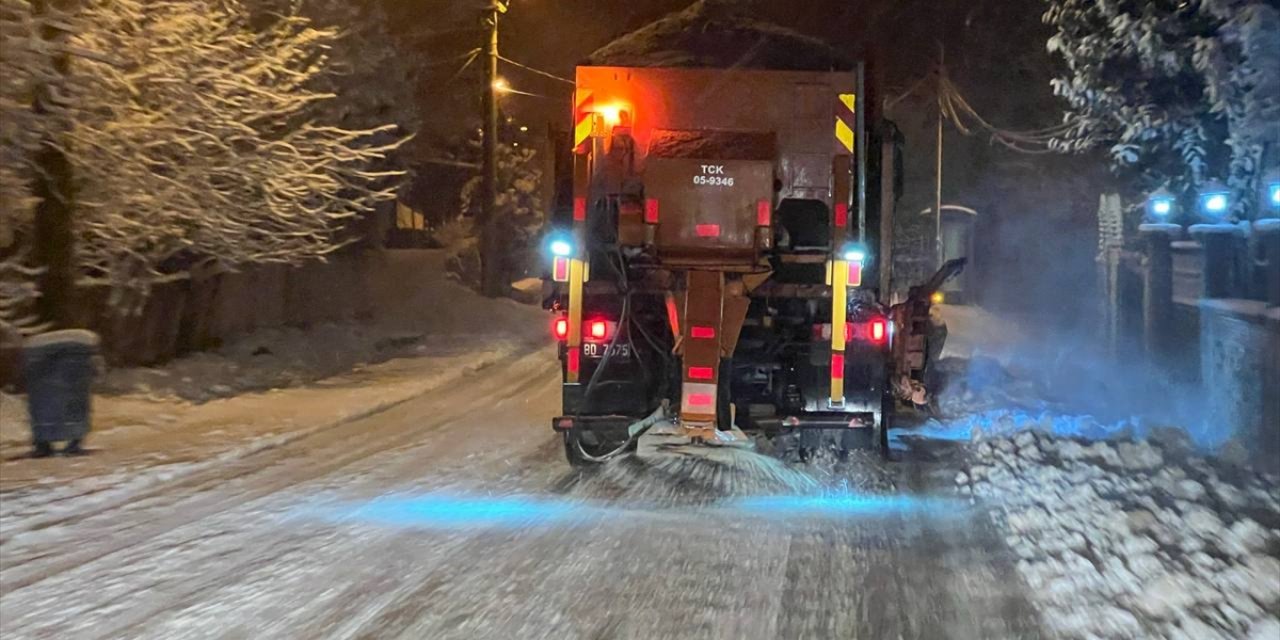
(596, 350)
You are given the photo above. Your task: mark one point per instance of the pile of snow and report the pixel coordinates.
(1134, 539)
(268, 359)
(1010, 422)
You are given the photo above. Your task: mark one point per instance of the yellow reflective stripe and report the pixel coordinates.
(575, 311)
(839, 303)
(582, 131)
(844, 134)
(839, 306)
(582, 117)
(849, 100)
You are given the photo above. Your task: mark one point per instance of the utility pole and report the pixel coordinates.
(492, 260)
(937, 192)
(53, 236)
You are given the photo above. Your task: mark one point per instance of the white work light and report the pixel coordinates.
(562, 248)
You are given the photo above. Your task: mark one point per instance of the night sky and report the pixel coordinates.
(995, 51)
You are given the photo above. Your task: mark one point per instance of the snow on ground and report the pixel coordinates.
(1134, 539)
(153, 426)
(268, 359)
(1125, 527)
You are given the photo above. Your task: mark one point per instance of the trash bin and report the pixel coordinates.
(58, 367)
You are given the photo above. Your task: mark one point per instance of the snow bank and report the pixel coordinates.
(417, 312)
(269, 359)
(1133, 539)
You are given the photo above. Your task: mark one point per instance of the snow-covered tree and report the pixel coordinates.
(369, 72)
(518, 210)
(26, 65)
(196, 147)
(1178, 92)
(1241, 67)
(195, 141)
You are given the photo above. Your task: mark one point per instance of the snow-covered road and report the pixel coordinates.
(450, 513)
(454, 516)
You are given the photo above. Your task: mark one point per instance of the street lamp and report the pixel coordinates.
(1215, 201)
(1160, 206)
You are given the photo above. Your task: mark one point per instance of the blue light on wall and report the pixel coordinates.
(1215, 200)
(1160, 206)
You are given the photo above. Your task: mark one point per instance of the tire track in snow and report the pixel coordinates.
(283, 469)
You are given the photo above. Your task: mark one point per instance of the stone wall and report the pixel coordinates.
(1240, 370)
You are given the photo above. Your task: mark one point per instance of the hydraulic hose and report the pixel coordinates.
(637, 429)
(634, 431)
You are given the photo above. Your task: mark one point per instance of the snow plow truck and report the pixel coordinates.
(719, 264)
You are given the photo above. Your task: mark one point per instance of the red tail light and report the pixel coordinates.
(764, 214)
(561, 328)
(875, 331)
(651, 211)
(598, 329)
(701, 373)
(579, 209)
(879, 331)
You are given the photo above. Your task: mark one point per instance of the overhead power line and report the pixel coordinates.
(957, 109)
(472, 55)
(537, 71)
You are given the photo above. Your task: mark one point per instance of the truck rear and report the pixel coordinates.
(721, 264)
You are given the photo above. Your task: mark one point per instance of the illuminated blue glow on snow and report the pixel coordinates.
(442, 511)
(839, 505)
(1273, 195)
